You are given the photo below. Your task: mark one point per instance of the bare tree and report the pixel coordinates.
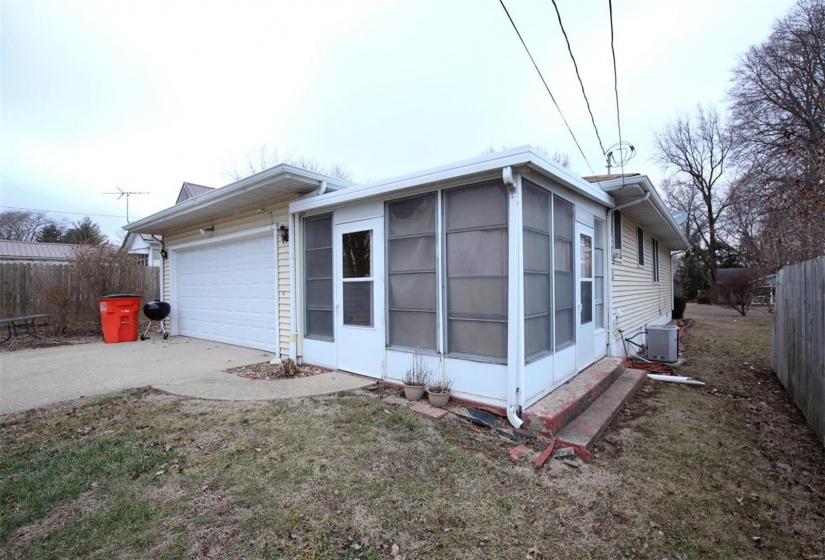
(696, 150)
(264, 157)
(22, 225)
(778, 110)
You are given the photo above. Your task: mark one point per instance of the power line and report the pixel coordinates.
(576, 67)
(615, 83)
(62, 212)
(570, 130)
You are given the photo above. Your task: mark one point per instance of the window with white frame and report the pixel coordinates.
(476, 264)
(598, 271)
(537, 282)
(640, 246)
(318, 317)
(617, 235)
(656, 261)
(411, 272)
(564, 285)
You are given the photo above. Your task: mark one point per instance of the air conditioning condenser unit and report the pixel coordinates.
(663, 343)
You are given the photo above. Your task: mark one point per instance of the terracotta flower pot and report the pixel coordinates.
(414, 392)
(439, 399)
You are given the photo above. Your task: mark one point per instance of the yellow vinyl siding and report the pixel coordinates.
(275, 214)
(634, 292)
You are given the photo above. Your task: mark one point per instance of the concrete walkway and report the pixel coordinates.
(180, 365)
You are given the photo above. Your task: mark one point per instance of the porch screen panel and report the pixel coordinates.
(476, 268)
(412, 272)
(537, 300)
(598, 272)
(564, 289)
(318, 316)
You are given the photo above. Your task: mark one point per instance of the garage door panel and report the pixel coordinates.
(228, 293)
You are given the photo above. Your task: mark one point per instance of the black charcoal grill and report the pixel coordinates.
(156, 310)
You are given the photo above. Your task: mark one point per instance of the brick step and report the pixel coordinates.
(583, 432)
(562, 406)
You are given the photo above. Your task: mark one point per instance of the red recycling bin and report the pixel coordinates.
(119, 317)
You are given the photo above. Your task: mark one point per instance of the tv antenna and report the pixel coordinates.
(619, 154)
(121, 193)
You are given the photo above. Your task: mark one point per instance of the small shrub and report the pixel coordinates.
(289, 368)
(738, 291)
(679, 305)
(703, 297)
(442, 386)
(418, 374)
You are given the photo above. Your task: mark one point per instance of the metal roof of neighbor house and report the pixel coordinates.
(191, 190)
(25, 250)
(525, 157)
(279, 181)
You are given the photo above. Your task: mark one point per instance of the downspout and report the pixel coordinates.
(611, 320)
(293, 312)
(515, 365)
(322, 189)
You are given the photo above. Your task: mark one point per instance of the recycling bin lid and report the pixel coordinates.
(112, 296)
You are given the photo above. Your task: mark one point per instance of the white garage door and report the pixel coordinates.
(228, 293)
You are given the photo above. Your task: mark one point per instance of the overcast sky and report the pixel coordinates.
(143, 96)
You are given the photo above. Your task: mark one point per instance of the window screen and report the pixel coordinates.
(617, 230)
(476, 269)
(598, 272)
(640, 245)
(318, 277)
(537, 284)
(564, 289)
(655, 261)
(412, 272)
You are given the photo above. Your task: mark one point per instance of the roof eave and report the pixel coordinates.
(521, 156)
(264, 179)
(615, 185)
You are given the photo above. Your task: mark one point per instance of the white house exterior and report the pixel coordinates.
(502, 270)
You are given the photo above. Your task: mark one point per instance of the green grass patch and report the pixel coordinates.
(685, 472)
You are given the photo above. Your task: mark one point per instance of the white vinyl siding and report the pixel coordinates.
(638, 298)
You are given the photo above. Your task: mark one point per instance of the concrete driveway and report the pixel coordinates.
(180, 365)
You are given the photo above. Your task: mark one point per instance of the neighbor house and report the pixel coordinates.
(508, 273)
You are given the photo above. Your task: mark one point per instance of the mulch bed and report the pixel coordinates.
(266, 370)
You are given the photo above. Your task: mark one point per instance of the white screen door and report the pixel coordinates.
(585, 345)
(359, 296)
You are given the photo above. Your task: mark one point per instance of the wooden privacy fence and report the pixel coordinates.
(28, 288)
(799, 338)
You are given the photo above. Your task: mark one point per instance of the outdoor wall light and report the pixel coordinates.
(205, 230)
(164, 254)
(283, 234)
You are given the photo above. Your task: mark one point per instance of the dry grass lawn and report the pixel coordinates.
(685, 472)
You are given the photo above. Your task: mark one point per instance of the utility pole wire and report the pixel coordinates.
(581, 83)
(615, 84)
(570, 130)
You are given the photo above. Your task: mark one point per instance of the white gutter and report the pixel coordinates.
(515, 346)
(611, 321)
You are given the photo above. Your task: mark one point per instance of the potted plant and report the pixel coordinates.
(439, 393)
(416, 378)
